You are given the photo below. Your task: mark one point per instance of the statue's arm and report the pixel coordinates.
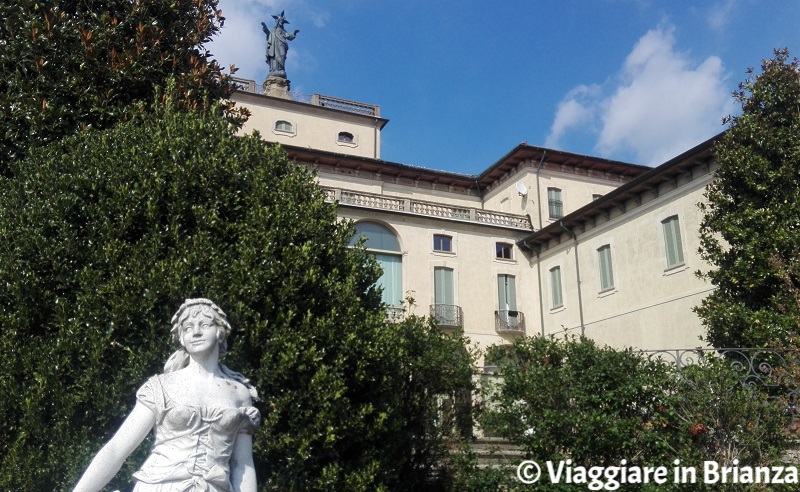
(111, 457)
(243, 473)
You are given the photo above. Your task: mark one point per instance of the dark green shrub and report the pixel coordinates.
(570, 399)
(66, 66)
(105, 233)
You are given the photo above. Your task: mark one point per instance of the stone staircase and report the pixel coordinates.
(495, 452)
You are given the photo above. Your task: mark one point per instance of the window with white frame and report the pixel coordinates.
(555, 287)
(672, 241)
(606, 268)
(555, 203)
(504, 251)
(284, 126)
(443, 243)
(345, 137)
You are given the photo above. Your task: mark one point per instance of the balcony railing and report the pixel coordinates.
(395, 314)
(429, 209)
(509, 322)
(446, 315)
(247, 85)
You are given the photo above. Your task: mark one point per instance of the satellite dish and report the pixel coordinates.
(522, 189)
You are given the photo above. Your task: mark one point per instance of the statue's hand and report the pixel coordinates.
(296, 31)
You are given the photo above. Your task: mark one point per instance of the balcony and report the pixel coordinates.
(509, 322)
(395, 314)
(427, 209)
(447, 316)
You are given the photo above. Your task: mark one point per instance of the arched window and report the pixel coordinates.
(284, 126)
(382, 243)
(346, 137)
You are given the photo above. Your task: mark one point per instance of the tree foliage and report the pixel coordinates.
(104, 233)
(66, 66)
(750, 233)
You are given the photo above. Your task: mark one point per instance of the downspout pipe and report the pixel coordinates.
(537, 251)
(538, 189)
(577, 272)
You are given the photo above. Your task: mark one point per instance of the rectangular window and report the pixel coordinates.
(442, 243)
(445, 310)
(506, 293)
(672, 241)
(606, 269)
(443, 286)
(503, 251)
(556, 206)
(391, 282)
(555, 287)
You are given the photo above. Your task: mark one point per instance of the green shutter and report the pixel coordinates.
(392, 279)
(506, 293)
(606, 270)
(443, 286)
(672, 241)
(555, 285)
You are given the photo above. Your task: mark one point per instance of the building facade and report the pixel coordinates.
(541, 242)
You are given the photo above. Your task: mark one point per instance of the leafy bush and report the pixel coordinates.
(105, 233)
(570, 399)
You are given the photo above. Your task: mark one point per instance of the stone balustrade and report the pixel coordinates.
(429, 209)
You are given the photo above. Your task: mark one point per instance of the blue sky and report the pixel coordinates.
(463, 82)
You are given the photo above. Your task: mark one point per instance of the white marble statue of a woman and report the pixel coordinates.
(201, 411)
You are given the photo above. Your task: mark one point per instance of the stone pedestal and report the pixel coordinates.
(277, 87)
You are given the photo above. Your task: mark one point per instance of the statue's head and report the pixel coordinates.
(280, 20)
(195, 308)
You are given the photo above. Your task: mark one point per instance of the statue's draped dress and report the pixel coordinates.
(193, 444)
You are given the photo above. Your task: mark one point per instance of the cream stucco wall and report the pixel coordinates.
(576, 191)
(314, 127)
(475, 268)
(650, 306)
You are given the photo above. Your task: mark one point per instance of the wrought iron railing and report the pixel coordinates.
(429, 209)
(447, 315)
(247, 85)
(345, 105)
(509, 322)
(759, 369)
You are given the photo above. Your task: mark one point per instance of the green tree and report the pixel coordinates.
(749, 233)
(66, 66)
(104, 233)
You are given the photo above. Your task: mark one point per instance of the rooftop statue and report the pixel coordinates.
(201, 411)
(277, 45)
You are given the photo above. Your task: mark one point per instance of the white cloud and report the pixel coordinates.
(657, 106)
(720, 15)
(573, 112)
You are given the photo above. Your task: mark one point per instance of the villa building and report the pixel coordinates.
(541, 242)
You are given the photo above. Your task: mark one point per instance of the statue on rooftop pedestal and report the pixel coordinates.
(277, 45)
